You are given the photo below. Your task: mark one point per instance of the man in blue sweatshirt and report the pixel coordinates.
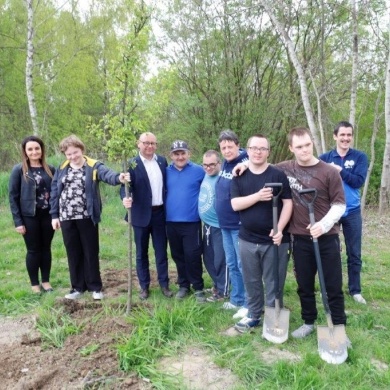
(352, 165)
(229, 220)
(184, 229)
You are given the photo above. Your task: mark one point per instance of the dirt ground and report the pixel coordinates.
(25, 364)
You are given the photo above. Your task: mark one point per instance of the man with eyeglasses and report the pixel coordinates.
(253, 201)
(147, 202)
(306, 172)
(213, 253)
(184, 228)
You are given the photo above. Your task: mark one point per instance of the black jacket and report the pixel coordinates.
(22, 193)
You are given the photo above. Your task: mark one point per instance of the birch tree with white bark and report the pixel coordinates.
(278, 24)
(30, 67)
(384, 195)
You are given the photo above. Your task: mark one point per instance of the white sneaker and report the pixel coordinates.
(359, 298)
(302, 331)
(74, 294)
(97, 295)
(241, 313)
(229, 306)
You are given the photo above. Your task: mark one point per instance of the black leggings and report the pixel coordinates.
(38, 237)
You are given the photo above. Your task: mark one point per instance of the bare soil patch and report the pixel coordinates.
(198, 371)
(26, 364)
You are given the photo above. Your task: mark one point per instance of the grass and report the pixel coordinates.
(167, 327)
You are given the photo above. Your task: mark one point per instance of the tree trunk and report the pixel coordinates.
(30, 67)
(384, 198)
(372, 148)
(355, 64)
(300, 72)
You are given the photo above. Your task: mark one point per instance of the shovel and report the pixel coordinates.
(332, 340)
(276, 320)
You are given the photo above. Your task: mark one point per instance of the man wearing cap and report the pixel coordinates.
(184, 228)
(147, 185)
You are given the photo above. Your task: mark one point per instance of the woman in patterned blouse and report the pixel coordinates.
(76, 208)
(29, 192)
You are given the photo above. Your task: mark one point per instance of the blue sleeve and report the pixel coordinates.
(356, 177)
(107, 175)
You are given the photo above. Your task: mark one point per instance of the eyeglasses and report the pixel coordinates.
(146, 143)
(212, 165)
(257, 150)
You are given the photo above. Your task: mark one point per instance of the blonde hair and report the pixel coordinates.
(72, 140)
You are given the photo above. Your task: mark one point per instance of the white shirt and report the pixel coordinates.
(155, 179)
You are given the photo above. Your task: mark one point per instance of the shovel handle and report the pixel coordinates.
(310, 205)
(275, 197)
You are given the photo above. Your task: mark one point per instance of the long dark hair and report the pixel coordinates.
(25, 161)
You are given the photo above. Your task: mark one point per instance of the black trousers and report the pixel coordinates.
(305, 269)
(81, 239)
(185, 241)
(38, 237)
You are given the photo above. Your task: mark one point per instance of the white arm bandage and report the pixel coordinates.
(332, 216)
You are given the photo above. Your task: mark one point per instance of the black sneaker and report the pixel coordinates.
(182, 293)
(200, 297)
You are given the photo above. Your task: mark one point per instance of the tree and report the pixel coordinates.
(384, 198)
(30, 66)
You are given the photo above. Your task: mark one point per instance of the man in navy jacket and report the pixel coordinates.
(148, 193)
(352, 165)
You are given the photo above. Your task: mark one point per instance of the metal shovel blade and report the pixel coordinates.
(333, 344)
(275, 325)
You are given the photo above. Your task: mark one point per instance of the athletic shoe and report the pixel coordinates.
(303, 331)
(215, 298)
(359, 298)
(97, 295)
(200, 297)
(212, 290)
(241, 313)
(246, 324)
(182, 293)
(229, 306)
(74, 294)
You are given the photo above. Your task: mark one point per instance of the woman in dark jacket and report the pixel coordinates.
(29, 192)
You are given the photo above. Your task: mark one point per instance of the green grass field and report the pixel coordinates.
(166, 327)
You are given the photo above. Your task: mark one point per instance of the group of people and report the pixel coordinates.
(44, 199)
(221, 211)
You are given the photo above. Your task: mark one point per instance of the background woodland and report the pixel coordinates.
(108, 70)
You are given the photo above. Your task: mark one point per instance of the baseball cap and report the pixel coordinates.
(179, 145)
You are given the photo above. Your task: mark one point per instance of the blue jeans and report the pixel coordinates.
(352, 230)
(232, 254)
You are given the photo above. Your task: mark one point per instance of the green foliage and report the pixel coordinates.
(155, 330)
(89, 349)
(55, 326)
(168, 328)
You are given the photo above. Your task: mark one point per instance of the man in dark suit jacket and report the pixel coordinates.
(147, 174)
